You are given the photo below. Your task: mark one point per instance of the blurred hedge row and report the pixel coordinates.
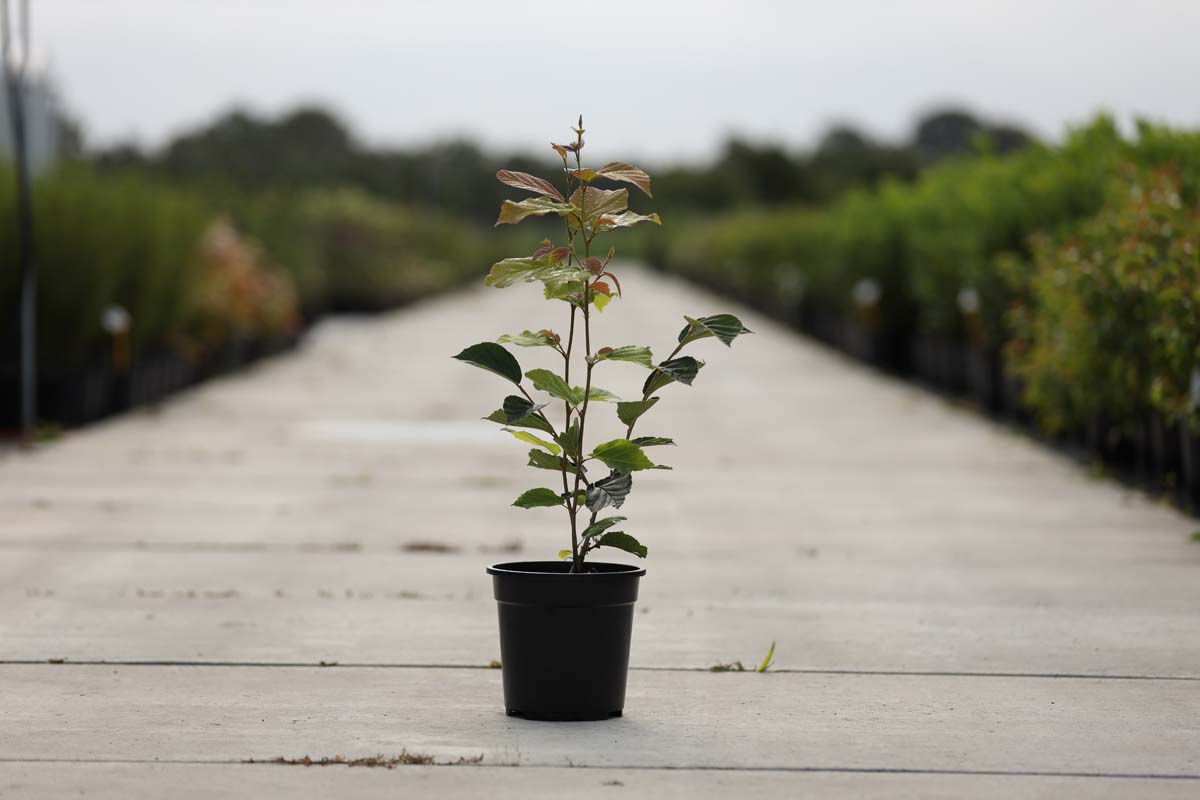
(1060, 283)
(207, 277)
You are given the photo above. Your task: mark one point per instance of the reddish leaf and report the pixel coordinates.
(614, 280)
(603, 288)
(627, 173)
(531, 183)
(555, 254)
(594, 265)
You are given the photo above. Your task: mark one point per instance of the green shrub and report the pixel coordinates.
(1112, 327)
(1106, 322)
(349, 250)
(118, 240)
(123, 239)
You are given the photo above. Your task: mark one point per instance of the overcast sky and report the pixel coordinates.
(662, 80)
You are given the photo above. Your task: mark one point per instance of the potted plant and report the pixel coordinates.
(565, 625)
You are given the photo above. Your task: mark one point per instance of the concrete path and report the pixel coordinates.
(289, 564)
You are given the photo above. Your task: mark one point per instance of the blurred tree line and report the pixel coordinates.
(311, 147)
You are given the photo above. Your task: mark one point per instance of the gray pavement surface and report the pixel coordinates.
(958, 611)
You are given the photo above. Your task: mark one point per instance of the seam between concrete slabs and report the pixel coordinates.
(385, 665)
(642, 768)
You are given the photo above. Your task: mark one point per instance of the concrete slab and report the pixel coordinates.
(203, 781)
(387, 606)
(674, 719)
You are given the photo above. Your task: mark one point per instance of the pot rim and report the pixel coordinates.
(521, 569)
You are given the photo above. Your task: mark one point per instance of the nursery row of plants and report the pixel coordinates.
(1058, 286)
(145, 286)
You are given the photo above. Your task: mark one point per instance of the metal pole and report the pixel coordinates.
(14, 73)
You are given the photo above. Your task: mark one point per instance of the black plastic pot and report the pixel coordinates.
(564, 638)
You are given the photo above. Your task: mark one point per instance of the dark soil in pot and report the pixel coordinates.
(564, 638)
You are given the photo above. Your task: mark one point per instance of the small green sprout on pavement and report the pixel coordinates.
(738, 666)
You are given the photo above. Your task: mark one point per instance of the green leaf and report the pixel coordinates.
(629, 412)
(543, 460)
(682, 369)
(516, 270)
(512, 211)
(564, 554)
(535, 421)
(599, 203)
(622, 455)
(518, 408)
(766, 662)
(528, 339)
(626, 219)
(601, 301)
(627, 173)
(569, 439)
(493, 358)
(609, 491)
(600, 526)
(571, 292)
(622, 541)
(529, 438)
(601, 395)
(725, 327)
(538, 498)
(547, 381)
(532, 183)
(651, 441)
(638, 355)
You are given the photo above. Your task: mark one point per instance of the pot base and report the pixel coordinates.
(569, 716)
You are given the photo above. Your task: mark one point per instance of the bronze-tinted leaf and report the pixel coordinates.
(598, 203)
(586, 175)
(627, 173)
(594, 265)
(512, 211)
(603, 288)
(624, 220)
(614, 280)
(531, 183)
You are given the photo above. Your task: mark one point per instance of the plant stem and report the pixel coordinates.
(572, 506)
(576, 554)
(587, 391)
(572, 503)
